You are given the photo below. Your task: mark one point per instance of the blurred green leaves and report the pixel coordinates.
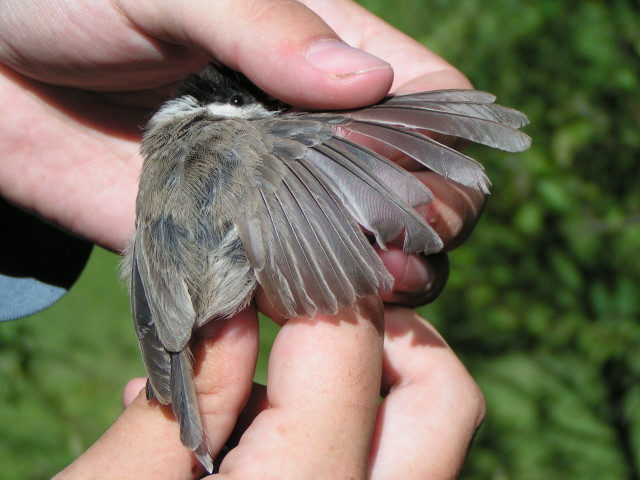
(543, 301)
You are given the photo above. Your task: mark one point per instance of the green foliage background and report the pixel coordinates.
(542, 304)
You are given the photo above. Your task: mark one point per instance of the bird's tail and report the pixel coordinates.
(185, 407)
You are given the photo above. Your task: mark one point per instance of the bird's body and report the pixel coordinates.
(236, 192)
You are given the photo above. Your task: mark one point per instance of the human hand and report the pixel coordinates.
(90, 73)
(308, 426)
(78, 97)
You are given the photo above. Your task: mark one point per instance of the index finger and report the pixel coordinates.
(323, 387)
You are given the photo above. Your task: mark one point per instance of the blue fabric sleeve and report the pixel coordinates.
(38, 263)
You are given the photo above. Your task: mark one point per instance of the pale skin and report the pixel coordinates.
(79, 79)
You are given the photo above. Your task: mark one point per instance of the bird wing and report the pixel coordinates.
(302, 235)
(163, 316)
(468, 114)
(164, 288)
(156, 358)
(163, 319)
(307, 252)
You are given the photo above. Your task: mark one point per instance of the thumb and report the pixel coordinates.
(142, 443)
(280, 45)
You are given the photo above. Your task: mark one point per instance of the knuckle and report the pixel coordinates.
(468, 395)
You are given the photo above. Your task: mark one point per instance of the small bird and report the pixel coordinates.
(237, 191)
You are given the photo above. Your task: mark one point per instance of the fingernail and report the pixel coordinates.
(341, 60)
(419, 273)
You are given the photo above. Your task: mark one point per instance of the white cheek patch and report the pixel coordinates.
(180, 107)
(255, 110)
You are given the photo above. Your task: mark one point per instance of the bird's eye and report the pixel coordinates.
(236, 100)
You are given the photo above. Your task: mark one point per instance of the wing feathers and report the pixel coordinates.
(480, 130)
(284, 276)
(336, 240)
(372, 203)
(302, 240)
(308, 282)
(340, 237)
(468, 114)
(166, 294)
(318, 259)
(441, 159)
(473, 103)
(157, 363)
(443, 96)
(155, 357)
(401, 182)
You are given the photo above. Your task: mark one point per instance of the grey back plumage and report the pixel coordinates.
(257, 195)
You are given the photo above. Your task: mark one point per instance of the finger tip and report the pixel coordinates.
(132, 389)
(418, 279)
(322, 74)
(308, 88)
(353, 77)
(410, 273)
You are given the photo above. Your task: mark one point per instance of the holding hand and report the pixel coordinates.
(89, 74)
(306, 425)
(79, 87)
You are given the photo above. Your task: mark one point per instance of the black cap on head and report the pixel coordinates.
(220, 84)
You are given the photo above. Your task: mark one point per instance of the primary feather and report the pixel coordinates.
(236, 192)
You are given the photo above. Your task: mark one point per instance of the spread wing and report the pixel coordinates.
(302, 234)
(468, 114)
(317, 188)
